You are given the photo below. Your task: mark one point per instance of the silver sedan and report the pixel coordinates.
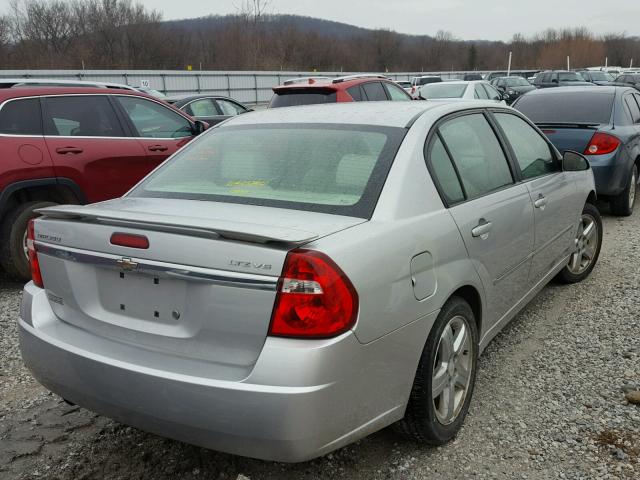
(296, 279)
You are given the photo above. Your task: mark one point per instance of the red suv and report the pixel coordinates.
(76, 145)
(355, 88)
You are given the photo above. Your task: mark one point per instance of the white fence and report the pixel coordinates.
(246, 87)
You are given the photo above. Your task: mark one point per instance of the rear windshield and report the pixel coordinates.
(427, 80)
(328, 168)
(570, 77)
(570, 107)
(600, 77)
(443, 90)
(516, 82)
(295, 97)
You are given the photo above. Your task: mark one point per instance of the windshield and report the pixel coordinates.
(577, 107)
(317, 167)
(600, 77)
(570, 77)
(443, 90)
(299, 96)
(517, 82)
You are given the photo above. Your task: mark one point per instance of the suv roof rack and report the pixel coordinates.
(359, 75)
(293, 81)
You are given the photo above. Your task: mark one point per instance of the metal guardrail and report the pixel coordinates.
(244, 86)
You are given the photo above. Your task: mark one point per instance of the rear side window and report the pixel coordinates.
(633, 107)
(21, 117)
(481, 92)
(230, 108)
(476, 152)
(338, 169)
(492, 92)
(374, 92)
(298, 96)
(444, 174)
(355, 93)
(531, 150)
(81, 116)
(574, 107)
(152, 120)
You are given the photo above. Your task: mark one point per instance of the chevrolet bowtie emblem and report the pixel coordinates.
(126, 264)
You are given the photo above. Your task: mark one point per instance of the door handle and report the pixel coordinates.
(68, 150)
(541, 202)
(482, 229)
(158, 148)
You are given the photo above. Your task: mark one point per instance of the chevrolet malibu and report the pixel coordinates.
(299, 278)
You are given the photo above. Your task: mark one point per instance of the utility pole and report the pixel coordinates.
(568, 64)
(509, 65)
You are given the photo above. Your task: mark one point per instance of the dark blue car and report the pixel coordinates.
(603, 124)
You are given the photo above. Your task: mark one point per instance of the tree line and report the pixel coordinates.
(123, 34)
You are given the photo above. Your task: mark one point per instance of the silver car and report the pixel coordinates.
(298, 278)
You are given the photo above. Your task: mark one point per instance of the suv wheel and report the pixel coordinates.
(623, 203)
(13, 236)
(445, 378)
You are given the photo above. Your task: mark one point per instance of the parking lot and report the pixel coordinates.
(549, 403)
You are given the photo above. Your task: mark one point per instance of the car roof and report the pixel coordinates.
(388, 114)
(62, 82)
(342, 83)
(594, 90)
(18, 92)
(189, 97)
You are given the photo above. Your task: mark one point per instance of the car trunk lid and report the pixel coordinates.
(569, 136)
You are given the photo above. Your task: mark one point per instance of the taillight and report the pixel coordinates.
(129, 240)
(36, 275)
(315, 298)
(601, 144)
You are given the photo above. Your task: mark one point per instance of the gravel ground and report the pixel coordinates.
(549, 403)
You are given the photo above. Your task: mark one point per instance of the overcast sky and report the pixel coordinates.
(467, 19)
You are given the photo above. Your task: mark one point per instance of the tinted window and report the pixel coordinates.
(21, 117)
(152, 120)
(230, 108)
(374, 91)
(575, 107)
(634, 110)
(203, 107)
(443, 90)
(532, 151)
(477, 154)
(570, 77)
(355, 93)
(444, 173)
(295, 97)
(426, 80)
(329, 168)
(396, 93)
(480, 92)
(84, 116)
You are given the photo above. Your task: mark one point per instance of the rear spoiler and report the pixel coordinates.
(567, 124)
(247, 232)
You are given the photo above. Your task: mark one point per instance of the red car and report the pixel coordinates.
(76, 145)
(354, 88)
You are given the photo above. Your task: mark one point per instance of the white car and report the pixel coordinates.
(464, 90)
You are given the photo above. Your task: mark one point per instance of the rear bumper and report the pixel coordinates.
(302, 399)
(610, 172)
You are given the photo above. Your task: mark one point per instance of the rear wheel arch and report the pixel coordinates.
(471, 295)
(58, 190)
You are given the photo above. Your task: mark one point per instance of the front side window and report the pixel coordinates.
(21, 117)
(374, 92)
(152, 120)
(338, 169)
(203, 107)
(531, 150)
(81, 116)
(396, 94)
(477, 154)
(230, 108)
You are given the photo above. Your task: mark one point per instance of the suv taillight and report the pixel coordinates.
(36, 275)
(315, 298)
(601, 144)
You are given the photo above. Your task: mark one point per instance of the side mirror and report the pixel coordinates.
(199, 126)
(574, 162)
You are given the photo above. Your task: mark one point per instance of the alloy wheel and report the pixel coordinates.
(452, 370)
(586, 245)
(632, 189)
(25, 247)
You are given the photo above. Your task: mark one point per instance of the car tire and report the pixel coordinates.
(424, 420)
(579, 267)
(12, 236)
(622, 204)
